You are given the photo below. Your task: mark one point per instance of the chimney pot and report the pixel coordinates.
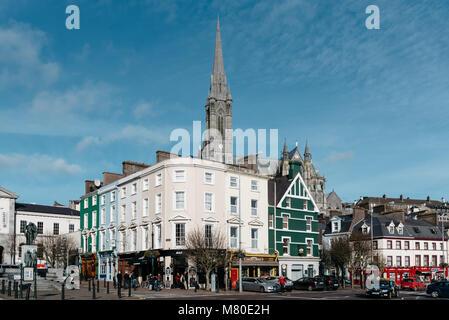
(384, 196)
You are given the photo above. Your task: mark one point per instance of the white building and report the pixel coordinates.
(49, 220)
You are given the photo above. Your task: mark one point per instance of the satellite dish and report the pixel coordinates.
(220, 146)
(97, 183)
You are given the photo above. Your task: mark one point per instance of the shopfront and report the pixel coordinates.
(253, 265)
(107, 265)
(427, 274)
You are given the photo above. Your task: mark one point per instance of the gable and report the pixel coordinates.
(7, 194)
(298, 190)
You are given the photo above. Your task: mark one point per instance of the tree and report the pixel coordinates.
(11, 246)
(361, 249)
(55, 249)
(208, 251)
(325, 260)
(340, 253)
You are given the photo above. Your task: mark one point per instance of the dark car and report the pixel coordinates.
(387, 288)
(315, 283)
(331, 282)
(438, 289)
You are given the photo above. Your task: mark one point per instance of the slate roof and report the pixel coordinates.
(346, 221)
(381, 200)
(282, 184)
(29, 207)
(380, 229)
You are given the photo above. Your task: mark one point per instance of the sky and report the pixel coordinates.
(373, 104)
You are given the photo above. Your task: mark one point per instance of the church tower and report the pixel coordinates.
(218, 141)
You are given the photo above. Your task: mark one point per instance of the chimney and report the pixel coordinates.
(358, 215)
(89, 186)
(109, 177)
(384, 196)
(130, 167)
(401, 197)
(164, 155)
(428, 198)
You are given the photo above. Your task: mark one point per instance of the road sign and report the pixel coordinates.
(284, 266)
(28, 274)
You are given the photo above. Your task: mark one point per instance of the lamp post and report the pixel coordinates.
(240, 236)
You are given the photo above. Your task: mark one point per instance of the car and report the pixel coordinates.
(438, 289)
(259, 285)
(288, 285)
(315, 283)
(413, 284)
(330, 282)
(387, 288)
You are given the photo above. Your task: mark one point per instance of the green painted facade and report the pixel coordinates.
(88, 211)
(298, 211)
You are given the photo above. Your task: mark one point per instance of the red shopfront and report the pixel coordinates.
(426, 273)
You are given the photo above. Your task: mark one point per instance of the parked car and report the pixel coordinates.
(347, 281)
(288, 285)
(260, 285)
(413, 284)
(331, 282)
(315, 283)
(438, 289)
(387, 288)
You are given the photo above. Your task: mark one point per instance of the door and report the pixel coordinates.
(297, 272)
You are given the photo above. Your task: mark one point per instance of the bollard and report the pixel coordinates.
(89, 284)
(62, 291)
(16, 290)
(93, 289)
(107, 288)
(98, 285)
(9, 288)
(3, 287)
(104, 283)
(119, 290)
(129, 290)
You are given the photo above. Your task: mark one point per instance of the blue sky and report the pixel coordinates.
(372, 103)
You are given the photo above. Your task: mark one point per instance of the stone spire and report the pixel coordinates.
(218, 84)
(285, 152)
(218, 57)
(307, 155)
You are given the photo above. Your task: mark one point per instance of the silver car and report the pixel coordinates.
(259, 285)
(288, 285)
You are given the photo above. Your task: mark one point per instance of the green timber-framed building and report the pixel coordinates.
(293, 224)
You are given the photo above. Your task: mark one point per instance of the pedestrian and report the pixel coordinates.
(119, 279)
(195, 284)
(282, 282)
(181, 281)
(184, 282)
(158, 282)
(126, 280)
(177, 278)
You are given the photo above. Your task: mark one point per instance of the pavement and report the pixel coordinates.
(179, 294)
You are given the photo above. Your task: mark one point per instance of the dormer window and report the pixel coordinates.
(365, 228)
(336, 225)
(400, 228)
(391, 228)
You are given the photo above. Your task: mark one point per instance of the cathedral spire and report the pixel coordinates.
(285, 147)
(307, 155)
(218, 58)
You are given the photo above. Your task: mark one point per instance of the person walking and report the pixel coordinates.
(158, 282)
(119, 279)
(282, 282)
(126, 280)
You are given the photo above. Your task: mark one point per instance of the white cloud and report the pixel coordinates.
(38, 163)
(133, 133)
(21, 61)
(335, 156)
(143, 109)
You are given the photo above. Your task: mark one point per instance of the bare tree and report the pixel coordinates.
(340, 253)
(361, 249)
(325, 260)
(55, 249)
(10, 246)
(207, 251)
